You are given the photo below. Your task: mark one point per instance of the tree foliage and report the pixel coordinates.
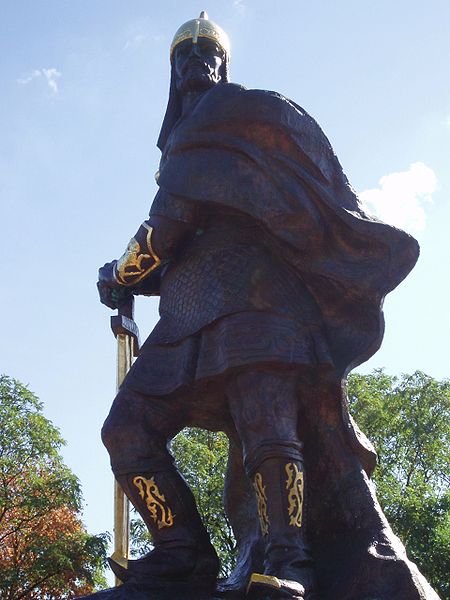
(202, 457)
(45, 551)
(407, 419)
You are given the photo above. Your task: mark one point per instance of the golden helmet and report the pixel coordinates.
(201, 27)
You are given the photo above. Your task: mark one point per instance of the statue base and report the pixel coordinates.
(410, 586)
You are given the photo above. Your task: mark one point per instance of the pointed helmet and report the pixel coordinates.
(201, 28)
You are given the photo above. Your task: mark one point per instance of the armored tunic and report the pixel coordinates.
(227, 300)
(285, 267)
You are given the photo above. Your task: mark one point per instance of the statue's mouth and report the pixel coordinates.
(195, 66)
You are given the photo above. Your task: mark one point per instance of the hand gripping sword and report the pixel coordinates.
(127, 335)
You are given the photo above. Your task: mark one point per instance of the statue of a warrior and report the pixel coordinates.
(271, 281)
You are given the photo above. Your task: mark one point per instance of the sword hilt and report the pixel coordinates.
(124, 323)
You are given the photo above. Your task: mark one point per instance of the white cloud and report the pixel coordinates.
(140, 34)
(50, 76)
(141, 38)
(30, 77)
(135, 41)
(239, 6)
(402, 197)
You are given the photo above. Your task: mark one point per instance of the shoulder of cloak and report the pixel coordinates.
(258, 152)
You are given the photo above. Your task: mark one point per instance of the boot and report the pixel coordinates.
(288, 567)
(182, 548)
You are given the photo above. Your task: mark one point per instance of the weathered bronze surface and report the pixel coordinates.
(271, 282)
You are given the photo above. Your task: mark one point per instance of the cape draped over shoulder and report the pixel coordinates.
(258, 152)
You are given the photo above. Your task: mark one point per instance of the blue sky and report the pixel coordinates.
(84, 87)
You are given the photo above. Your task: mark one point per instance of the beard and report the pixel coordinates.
(197, 77)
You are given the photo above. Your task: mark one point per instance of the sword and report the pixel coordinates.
(127, 335)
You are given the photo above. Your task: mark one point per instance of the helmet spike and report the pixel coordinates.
(203, 15)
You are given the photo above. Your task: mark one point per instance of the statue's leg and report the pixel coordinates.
(136, 434)
(264, 407)
(241, 511)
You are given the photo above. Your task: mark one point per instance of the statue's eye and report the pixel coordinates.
(217, 51)
(182, 52)
(209, 48)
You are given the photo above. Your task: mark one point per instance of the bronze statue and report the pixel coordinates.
(271, 283)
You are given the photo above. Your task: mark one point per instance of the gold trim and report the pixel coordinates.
(269, 580)
(295, 483)
(131, 267)
(119, 559)
(149, 245)
(261, 499)
(155, 501)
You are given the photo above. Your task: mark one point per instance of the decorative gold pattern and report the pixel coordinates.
(135, 263)
(201, 27)
(155, 501)
(295, 484)
(261, 499)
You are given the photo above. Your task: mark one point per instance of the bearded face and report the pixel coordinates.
(197, 66)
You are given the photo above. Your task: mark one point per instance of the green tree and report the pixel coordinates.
(408, 420)
(45, 551)
(202, 457)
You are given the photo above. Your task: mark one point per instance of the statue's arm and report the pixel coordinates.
(155, 242)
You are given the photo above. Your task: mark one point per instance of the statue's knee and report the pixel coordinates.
(135, 443)
(255, 455)
(264, 405)
(109, 433)
(121, 425)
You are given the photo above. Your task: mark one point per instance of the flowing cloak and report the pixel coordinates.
(259, 153)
